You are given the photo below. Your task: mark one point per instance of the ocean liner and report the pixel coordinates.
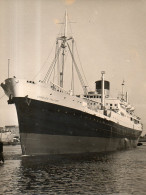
(53, 120)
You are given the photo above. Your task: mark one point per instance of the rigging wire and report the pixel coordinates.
(50, 73)
(78, 72)
(81, 65)
(52, 65)
(2, 96)
(50, 51)
(56, 70)
(54, 75)
(51, 68)
(55, 64)
(45, 61)
(78, 54)
(56, 49)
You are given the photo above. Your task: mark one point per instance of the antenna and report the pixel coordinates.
(102, 95)
(65, 29)
(123, 89)
(66, 21)
(8, 66)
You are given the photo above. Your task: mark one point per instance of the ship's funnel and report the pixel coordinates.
(98, 87)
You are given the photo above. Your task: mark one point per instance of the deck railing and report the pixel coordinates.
(58, 88)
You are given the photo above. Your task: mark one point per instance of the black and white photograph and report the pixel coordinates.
(73, 97)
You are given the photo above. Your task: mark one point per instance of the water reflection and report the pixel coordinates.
(120, 173)
(68, 177)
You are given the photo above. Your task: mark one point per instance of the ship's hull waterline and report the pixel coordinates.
(50, 129)
(42, 144)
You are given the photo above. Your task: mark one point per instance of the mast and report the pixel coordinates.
(62, 69)
(63, 45)
(102, 91)
(72, 80)
(64, 42)
(127, 97)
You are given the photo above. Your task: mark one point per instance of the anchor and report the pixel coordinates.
(27, 100)
(10, 101)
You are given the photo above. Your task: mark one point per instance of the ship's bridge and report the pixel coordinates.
(110, 103)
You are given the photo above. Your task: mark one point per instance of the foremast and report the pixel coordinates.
(63, 43)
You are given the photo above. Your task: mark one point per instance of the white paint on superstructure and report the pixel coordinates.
(54, 94)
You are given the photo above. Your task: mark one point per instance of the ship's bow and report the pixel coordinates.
(10, 87)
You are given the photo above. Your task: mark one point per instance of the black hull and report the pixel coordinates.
(47, 128)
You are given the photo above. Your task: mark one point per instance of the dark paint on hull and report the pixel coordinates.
(38, 117)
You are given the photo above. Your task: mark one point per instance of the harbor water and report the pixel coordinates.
(122, 173)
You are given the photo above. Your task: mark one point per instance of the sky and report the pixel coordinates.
(109, 34)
